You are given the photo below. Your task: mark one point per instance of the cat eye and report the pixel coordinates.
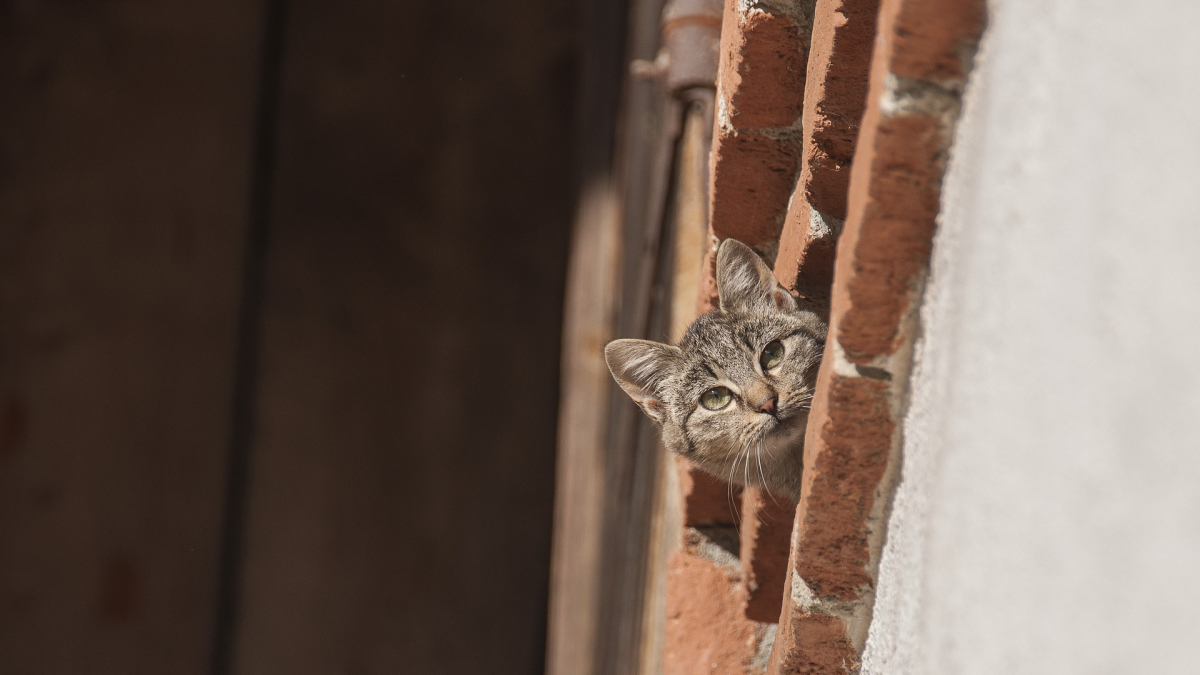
(771, 356)
(716, 398)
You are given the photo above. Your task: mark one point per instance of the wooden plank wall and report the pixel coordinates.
(402, 482)
(399, 489)
(125, 137)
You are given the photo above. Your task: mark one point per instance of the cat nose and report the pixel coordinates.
(768, 406)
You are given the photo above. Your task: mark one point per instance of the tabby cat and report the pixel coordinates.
(734, 396)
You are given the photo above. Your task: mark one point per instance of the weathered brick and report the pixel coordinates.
(852, 444)
(849, 447)
(757, 136)
(764, 53)
(707, 500)
(706, 630)
(835, 96)
(766, 537)
(806, 644)
(834, 99)
(932, 41)
(762, 144)
(901, 162)
(755, 160)
(754, 174)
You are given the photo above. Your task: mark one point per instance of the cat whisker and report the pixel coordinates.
(745, 451)
(762, 475)
(729, 490)
(760, 469)
(758, 456)
(746, 470)
(735, 508)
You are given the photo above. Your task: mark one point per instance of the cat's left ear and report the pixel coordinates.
(745, 283)
(640, 366)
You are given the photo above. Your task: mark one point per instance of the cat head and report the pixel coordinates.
(734, 395)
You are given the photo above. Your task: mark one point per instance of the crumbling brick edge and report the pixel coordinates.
(923, 52)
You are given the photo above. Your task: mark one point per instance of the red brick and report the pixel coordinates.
(805, 261)
(766, 538)
(754, 175)
(707, 500)
(764, 53)
(851, 453)
(933, 41)
(757, 136)
(901, 159)
(706, 629)
(835, 96)
(849, 438)
(809, 644)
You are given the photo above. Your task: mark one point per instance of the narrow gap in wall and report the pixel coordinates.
(725, 533)
(247, 346)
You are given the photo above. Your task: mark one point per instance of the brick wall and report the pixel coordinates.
(923, 52)
(831, 123)
(833, 119)
(735, 541)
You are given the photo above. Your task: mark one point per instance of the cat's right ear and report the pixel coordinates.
(745, 283)
(640, 366)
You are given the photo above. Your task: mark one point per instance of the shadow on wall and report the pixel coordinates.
(399, 366)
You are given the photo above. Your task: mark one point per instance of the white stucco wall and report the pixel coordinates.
(1048, 518)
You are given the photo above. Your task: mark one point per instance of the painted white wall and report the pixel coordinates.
(1048, 518)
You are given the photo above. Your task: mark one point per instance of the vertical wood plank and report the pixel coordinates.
(401, 489)
(586, 388)
(125, 140)
(575, 585)
(688, 226)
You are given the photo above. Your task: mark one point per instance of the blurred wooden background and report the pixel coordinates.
(280, 310)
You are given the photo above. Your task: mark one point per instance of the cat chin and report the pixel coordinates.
(787, 434)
